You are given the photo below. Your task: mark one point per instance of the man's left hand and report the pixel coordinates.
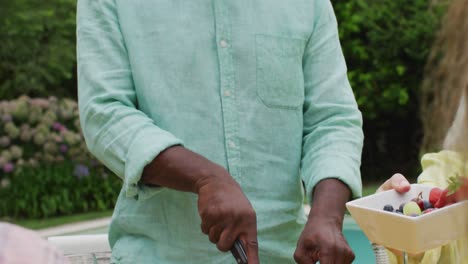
(322, 240)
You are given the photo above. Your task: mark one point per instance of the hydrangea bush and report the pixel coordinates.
(41, 146)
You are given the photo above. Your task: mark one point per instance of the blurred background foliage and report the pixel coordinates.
(37, 55)
(46, 169)
(385, 42)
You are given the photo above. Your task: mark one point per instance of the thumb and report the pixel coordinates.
(251, 247)
(400, 183)
(397, 182)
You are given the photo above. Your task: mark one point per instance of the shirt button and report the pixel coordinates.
(231, 144)
(223, 43)
(227, 93)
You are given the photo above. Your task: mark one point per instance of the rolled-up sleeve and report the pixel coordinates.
(332, 137)
(120, 135)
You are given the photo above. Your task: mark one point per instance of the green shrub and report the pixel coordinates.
(386, 43)
(57, 189)
(37, 54)
(45, 167)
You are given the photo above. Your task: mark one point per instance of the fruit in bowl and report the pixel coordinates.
(402, 221)
(437, 198)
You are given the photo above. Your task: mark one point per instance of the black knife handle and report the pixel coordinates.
(238, 252)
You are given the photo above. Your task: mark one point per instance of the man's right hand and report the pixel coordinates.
(226, 213)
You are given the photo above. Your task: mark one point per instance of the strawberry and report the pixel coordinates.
(443, 201)
(448, 196)
(434, 195)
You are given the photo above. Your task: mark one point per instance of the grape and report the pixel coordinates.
(418, 205)
(411, 208)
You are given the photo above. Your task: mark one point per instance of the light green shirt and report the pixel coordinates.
(257, 86)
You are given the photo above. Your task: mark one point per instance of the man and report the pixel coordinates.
(212, 111)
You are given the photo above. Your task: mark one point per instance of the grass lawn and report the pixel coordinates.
(61, 220)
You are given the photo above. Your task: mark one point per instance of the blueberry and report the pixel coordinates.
(427, 204)
(398, 211)
(388, 208)
(401, 207)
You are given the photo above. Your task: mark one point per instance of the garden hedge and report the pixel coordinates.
(45, 167)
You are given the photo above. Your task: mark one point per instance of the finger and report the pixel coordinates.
(351, 257)
(348, 255)
(251, 247)
(205, 227)
(214, 234)
(338, 256)
(226, 240)
(326, 257)
(303, 257)
(207, 220)
(347, 252)
(397, 182)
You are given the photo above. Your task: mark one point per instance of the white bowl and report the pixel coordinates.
(406, 233)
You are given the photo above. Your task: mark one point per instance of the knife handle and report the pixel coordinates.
(238, 252)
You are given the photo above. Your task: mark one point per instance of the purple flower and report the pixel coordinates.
(57, 126)
(8, 167)
(81, 171)
(63, 148)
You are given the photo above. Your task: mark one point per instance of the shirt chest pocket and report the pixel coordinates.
(280, 80)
